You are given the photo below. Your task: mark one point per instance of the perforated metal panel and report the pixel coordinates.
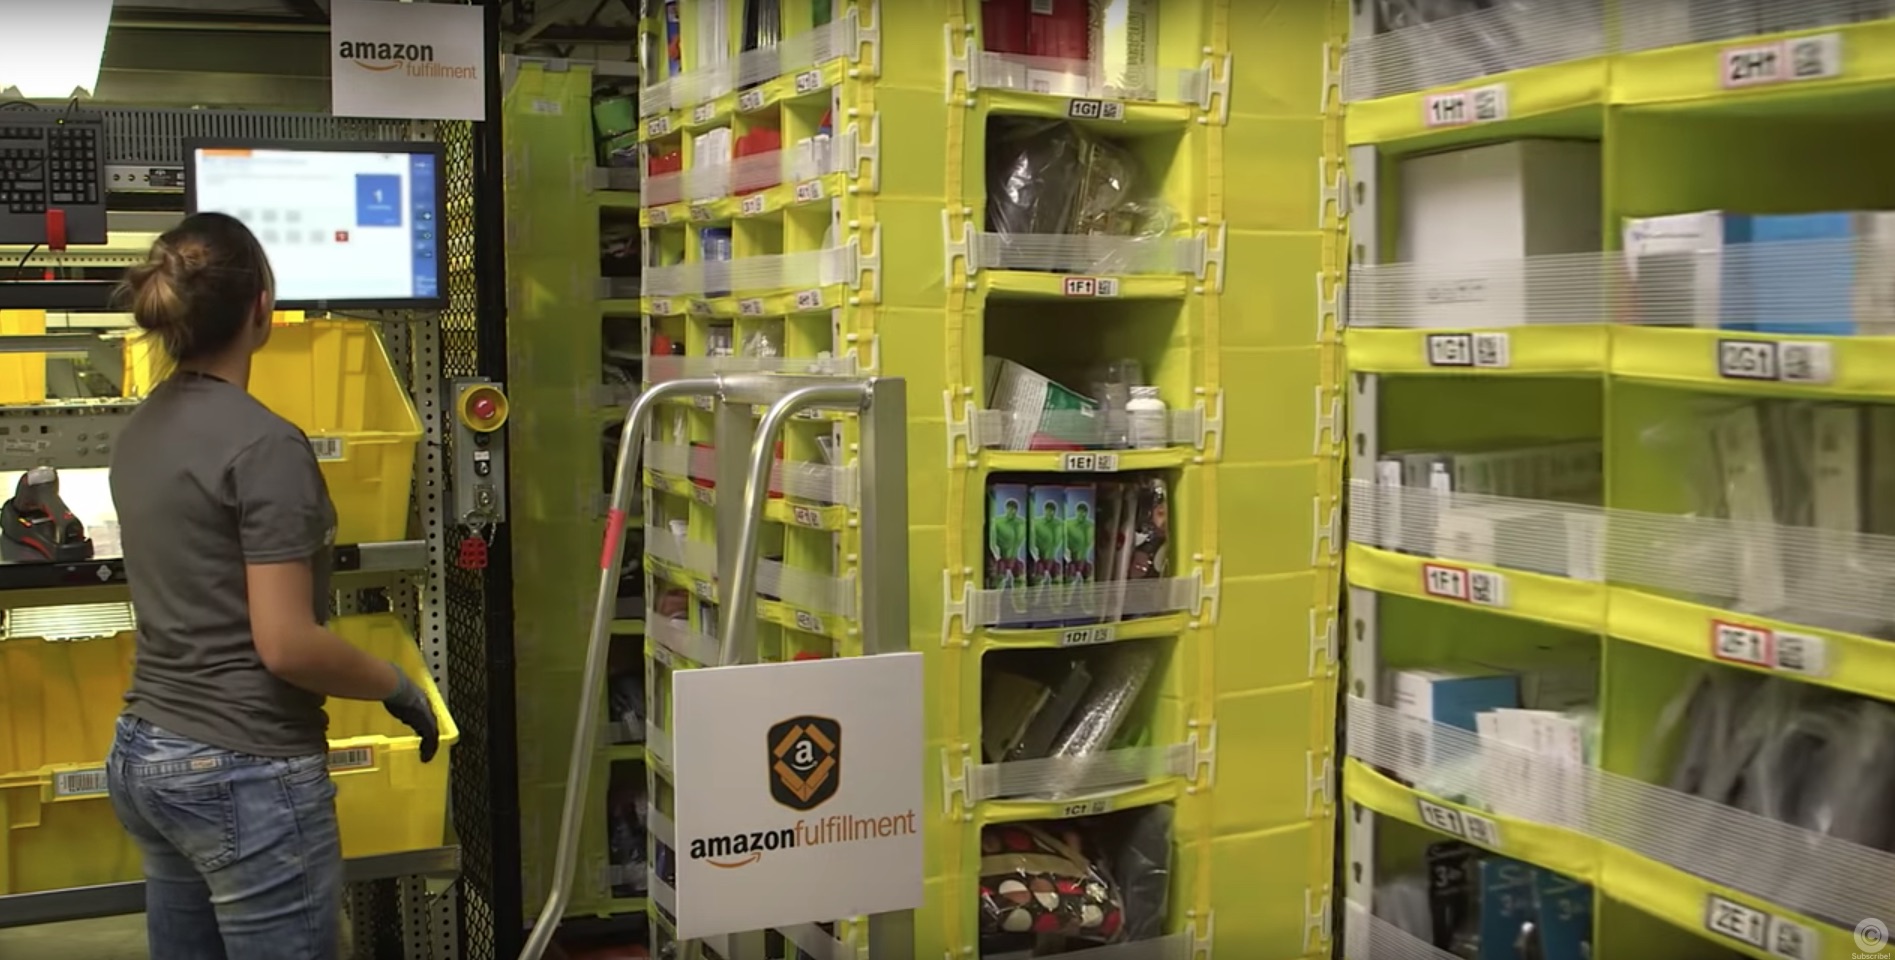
(157, 136)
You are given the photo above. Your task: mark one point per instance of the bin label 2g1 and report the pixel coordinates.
(1775, 361)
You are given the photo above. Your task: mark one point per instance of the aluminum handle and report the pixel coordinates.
(592, 680)
(741, 596)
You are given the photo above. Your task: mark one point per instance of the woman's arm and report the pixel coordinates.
(300, 651)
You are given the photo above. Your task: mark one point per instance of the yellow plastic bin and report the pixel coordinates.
(22, 375)
(59, 702)
(333, 378)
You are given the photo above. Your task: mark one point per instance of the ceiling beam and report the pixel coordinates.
(311, 10)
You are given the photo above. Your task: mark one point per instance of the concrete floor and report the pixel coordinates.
(114, 938)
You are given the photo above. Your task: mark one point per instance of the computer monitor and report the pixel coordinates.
(347, 225)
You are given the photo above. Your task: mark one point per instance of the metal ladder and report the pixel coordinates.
(746, 455)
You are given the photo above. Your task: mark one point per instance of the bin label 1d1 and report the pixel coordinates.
(787, 771)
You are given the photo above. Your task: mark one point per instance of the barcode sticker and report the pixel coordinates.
(79, 783)
(704, 495)
(1086, 636)
(750, 307)
(353, 758)
(326, 448)
(808, 622)
(1086, 109)
(1801, 654)
(1089, 462)
(1459, 823)
(1090, 287)
(702, 212)
(808, 190)
(658, 126)
(809, 81)
(1463, 107)
(1803, 361)
(1486, 588)
(1801, 58)
(1088, 808)
(657, 216)
(808, 300)
(750, 100)
(806, 517)
(751, 205)
(703, 113)
(662, 307)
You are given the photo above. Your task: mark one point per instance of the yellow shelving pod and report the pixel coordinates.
(848, 235)
(1694, 569)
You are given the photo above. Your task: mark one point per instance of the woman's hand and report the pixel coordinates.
(409, 704)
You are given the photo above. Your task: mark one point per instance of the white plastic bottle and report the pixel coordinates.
(1150, 426)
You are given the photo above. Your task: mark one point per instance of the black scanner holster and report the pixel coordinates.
(35, 525)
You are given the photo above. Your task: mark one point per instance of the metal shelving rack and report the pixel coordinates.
(460, 898)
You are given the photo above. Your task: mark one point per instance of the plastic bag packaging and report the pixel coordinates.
(1036, 883)
(1852, 787)
(1118, 679)
(1140, 857)
(1033, 171)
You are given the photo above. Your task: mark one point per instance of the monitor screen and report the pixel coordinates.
(345, 224)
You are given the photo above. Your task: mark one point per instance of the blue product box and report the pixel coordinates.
(1824, 278)
(1506, 906)
(1565, 917)
(1453, 698)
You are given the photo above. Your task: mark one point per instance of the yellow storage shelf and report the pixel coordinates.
(1086, 461)
(624, 753)
(1844, 661)
(1672, 895)
(762, 203)
(621, 307)
(1559, 99)
(1149, 794)
(628, 628)
(60, 702)
(1142, 628)
(1135, 116)
(616, 199)
(1559, 601)
(1695, 74)
(790, 86)
(22, 375)
(1551, 350)
(1555, 848)
(1756, 363)
(1037, 285)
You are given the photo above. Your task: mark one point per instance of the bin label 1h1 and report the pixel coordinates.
(787, 771)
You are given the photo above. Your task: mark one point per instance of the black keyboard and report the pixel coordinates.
(51, 161)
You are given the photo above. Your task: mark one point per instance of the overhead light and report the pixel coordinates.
(52, 51)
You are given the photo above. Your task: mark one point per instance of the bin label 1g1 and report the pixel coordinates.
(1082, 109)
(1459, 823)
(1493, 351)
(1779, 361)
(1462, 107)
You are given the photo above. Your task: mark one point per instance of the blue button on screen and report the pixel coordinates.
(377, 200)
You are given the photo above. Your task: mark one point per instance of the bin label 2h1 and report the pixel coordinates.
(1757, 928)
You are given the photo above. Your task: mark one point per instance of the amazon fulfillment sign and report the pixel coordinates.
(798, 792)
(410, 61)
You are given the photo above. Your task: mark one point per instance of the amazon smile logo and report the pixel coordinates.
(413, 59)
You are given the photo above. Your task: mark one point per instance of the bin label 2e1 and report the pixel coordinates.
(1459, 823)
(1485, 350)
(1760, 929)
(1463, 107)
(1483, 588)
(1775, 361)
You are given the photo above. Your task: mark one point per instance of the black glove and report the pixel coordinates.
(409, 704)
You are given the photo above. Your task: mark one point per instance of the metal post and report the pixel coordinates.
(592, 680)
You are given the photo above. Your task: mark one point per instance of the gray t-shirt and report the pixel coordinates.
(206, 479)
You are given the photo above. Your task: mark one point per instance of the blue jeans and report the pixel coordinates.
(242, 856)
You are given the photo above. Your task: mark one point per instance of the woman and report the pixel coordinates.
(219, 771)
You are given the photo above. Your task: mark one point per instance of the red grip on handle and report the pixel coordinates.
(614, 531)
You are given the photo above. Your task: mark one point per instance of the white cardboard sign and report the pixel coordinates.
(799, 792)
(409, 61)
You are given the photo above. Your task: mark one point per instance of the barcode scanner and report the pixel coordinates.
(35, 525)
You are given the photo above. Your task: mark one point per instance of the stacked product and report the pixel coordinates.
(1482, 906)
(1059, 886)
(1825, 273)
(1801, 484)
(1073, 48)
(1039, 413)
(615, 121)
(1053, 178)
(625, 831)
(1509, 505)
(1040, 704)
(1544, 719)
(1075, 553)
